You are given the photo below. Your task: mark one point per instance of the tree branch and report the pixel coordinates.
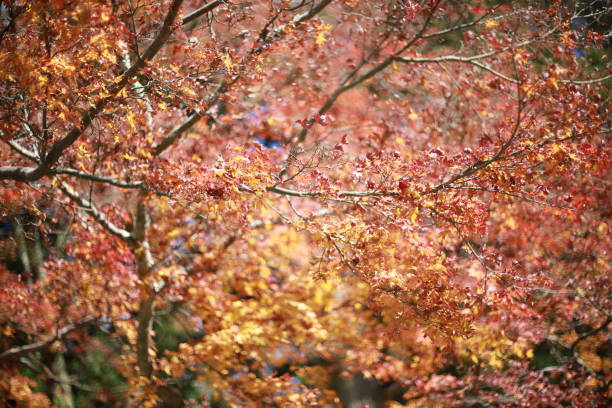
(53, 155)
(467, 60)
(178, 130)
(23, 151)
(146, 307)
(101, 179)
(20, 351)
(373, 71)
(95, 213)
(297, 193)
(590, 333)
(202, 10)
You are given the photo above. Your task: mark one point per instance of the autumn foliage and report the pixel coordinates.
(287, 203)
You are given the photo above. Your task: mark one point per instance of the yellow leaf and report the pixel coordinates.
(189, 91)
(129, 157)
(413, 116)
(130, 120)
(42, 80)
(554, 82)
(321, 36)
(106, 53)
(556, 148)
(414, 213)
(511, 223)
(174, 233)
(227, 61)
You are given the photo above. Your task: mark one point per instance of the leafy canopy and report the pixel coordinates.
(248, 203)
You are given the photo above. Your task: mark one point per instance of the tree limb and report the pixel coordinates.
(95, 213)
(95, 177)
(178, 130)
(202, 10)
(53, 155)
(297, 193)
(467, 60)
(20, 351)
(590, 333)
(373, 71)
(146, 307)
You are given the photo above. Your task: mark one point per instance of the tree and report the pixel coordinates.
(274, 203)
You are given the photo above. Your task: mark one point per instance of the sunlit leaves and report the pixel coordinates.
(368, 189)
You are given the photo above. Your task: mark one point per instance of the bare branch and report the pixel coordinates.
(297, 193)
(467, 60)
(101, 179)
(17, 352)
(95, 213)
(461, 26)
(587, 81)
(146, 308)
(23, 151)
(178, 131)
(509, 194)
(202, 10)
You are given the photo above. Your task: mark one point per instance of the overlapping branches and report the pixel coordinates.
(57, 149)
(225, 84)
(20, 351)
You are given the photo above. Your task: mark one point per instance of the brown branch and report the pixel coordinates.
(53, 155)
(509, 194)
(466, 60)
(146, 307)
(500, 157)
(587, 81)
(590, 333)
(202, 10)
(95, 213)
(20, 351)
(225, 84)
(461, 26)
(140, 246)
(178, 131)
(100, 179)
(23, 151)
(372, 72)
(143, 334)
(294, 22)
(297, 193)
(497, 156)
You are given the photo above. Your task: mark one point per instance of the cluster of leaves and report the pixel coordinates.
(304, 202)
